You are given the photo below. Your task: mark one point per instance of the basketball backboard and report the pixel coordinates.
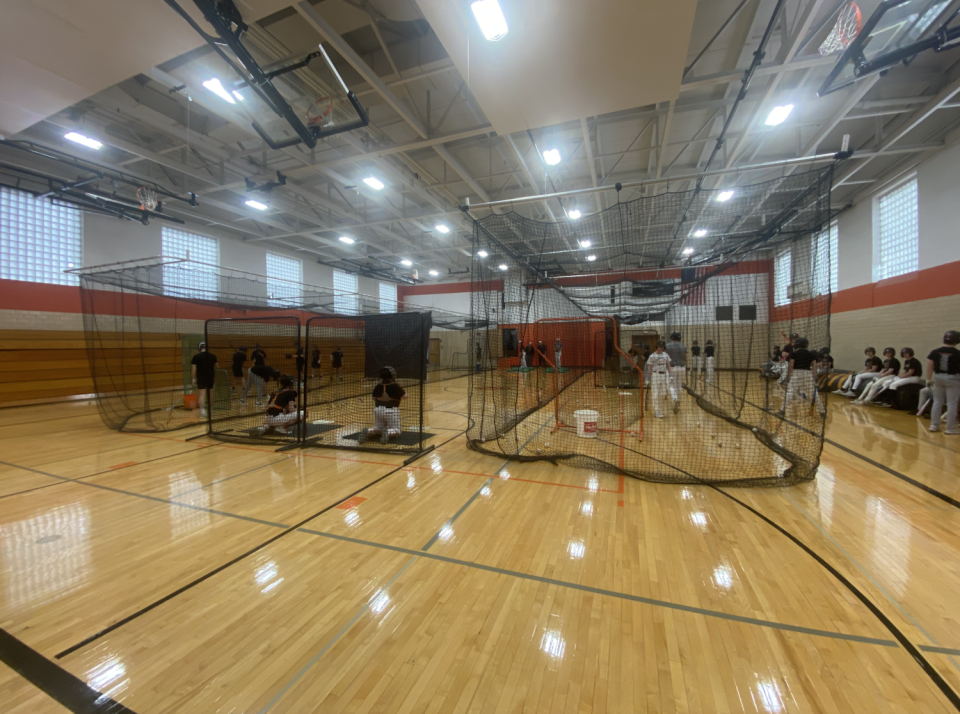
(892, 31)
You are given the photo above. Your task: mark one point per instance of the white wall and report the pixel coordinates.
(453, 302)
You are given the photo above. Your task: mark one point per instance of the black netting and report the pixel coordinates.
(733, 271)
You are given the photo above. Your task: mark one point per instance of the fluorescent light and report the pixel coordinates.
(552, 156)
(490, 17)
(81, 139)
(779, 115)
(688, 251)
(482, 254)
(434, 273)
(406, 262)
(724, 196)
(591, 258)
(238, 95)
(347, 239)
(699, 233)
(585, 244)
(214, 86)
(442, 228)
(256, 204)
(574, 214)
(503, 266)
(373, 183)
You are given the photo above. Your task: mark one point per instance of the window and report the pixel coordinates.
(191, 280)
(782, 275)
(897, 232)
(39, 239)
(284, 280)
(345, 298)
(824, 256)
(725, 314)
(748, 313)
(388, 297)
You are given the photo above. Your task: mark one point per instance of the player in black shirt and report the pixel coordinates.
(336, 359)
(696, 361)
(826, 361)
(891, 368)
(528, 353)
(802, 376)
(258, 376)
(239, 357)
(203, 371)
(910, 374)
(871, 370)
(386, 410)
(943, 368)
(542, 353)
(282, 411)
(258, 356)
(709, 352)
(315, 363)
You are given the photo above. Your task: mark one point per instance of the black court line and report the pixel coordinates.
(912, 649)
(54, 681)
(609, 593)
(206, 576)
(79, 479)
(903, 477)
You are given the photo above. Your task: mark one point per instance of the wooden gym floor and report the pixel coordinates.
(149, 574)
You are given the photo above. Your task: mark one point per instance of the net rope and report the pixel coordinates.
(844, 32)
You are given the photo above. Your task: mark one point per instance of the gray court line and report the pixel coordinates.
(156, 499)
(228, 478)
(456, 515)
(873, 581)
(610, 593)
(940, 650)
(331, 643)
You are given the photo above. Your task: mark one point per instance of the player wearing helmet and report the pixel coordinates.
(709, 351)
(386, 411)
(678, 360)
(203, 371)
(943, 369)
(802, 375)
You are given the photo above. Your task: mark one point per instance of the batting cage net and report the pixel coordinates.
(144, 322)
(649, 338)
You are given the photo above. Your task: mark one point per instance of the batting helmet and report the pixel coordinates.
(951, 337)
(801, 343)
(675, 336)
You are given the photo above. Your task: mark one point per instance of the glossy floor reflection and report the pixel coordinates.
(175, 576)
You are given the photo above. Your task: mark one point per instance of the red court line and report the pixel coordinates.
(125, 464)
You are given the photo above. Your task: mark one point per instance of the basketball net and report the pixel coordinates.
(147, 198)
(320, 113)
(844, 32)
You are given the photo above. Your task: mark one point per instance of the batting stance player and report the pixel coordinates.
(386, 411)
(802, 376)
(661, 383)
(678, 360)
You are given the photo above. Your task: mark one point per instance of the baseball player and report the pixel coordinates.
(802, 376)
(203, 368)
(678, 360)
(661, 382)
(709, 351)
(943, 368)
(891, 368)
(695, 358)
(386, 411)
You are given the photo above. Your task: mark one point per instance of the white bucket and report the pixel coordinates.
(586, 423)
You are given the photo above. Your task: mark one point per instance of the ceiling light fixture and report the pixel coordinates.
(482, 253)
(347, 239)
(490, 17)
(256, 204)
(503, 266)
(699, 233)
(406, 262)
(373, 183)
(688, 251)
(434, 273)
(779, 115)
(724, 196)
(574, 214)
(442, 228)
(591, 258)
(585, 244)
(81, 139)
(238, 95)
(552, 156)
(214, 86)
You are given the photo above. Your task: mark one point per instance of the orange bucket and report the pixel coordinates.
(190, 401)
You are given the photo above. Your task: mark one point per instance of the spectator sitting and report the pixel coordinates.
(891, 368)
(911, 374)
(871, 370)
(826, 361)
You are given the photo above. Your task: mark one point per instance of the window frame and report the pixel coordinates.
(832, 234)
(781, 293)
(880, 272)
(39, 239)
(282, 290)
(345, 302)
(390, 302)
(203, 280)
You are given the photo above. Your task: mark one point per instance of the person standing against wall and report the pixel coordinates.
(943, 369)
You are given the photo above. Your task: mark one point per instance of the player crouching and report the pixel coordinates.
(386, 411)
(282, 410)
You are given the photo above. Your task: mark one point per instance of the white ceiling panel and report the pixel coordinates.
(564, 59)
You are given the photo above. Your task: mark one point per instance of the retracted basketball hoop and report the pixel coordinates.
(320, 113)
(849, 24)
(147, 198)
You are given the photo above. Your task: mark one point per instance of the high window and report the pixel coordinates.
(782, 274)
(824, 254)
(897, 231)
(39, 239)
(284, 280)
(198, 278)
(345, 298)
(388, 297)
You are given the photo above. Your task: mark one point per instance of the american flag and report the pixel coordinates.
(693, 286)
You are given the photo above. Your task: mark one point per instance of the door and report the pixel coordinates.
(510, 348)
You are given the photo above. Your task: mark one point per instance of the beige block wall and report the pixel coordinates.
(919, 325)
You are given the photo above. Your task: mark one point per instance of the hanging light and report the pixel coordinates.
(490, 17)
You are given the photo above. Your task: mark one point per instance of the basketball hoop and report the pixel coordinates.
(147, 198)
(320, 113)
(844, 32)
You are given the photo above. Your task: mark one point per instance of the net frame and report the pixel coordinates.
(847, 28)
